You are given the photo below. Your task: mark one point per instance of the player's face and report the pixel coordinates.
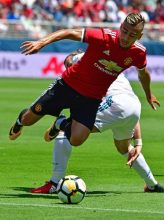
(129, 34)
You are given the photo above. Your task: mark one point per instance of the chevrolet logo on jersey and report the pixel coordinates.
(110, 65)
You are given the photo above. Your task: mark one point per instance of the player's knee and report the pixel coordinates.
(121, 151)
(122, 148)
(77, 140)
(78, 135)
(122, 145)
(118, 149)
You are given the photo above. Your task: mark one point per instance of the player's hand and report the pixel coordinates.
(31, 47)
(133, 154)
(152, 101)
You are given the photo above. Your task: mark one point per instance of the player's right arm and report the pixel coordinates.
(137, 138)
(134, 153)
(31, 47)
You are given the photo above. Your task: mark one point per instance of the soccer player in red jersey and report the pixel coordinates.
(85, 83)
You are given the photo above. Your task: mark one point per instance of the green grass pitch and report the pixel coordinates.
(115, 192)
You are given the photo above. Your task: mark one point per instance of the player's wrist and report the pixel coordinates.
(137, 142)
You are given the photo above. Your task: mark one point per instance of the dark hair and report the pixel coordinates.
(68, 59)
(134, 19)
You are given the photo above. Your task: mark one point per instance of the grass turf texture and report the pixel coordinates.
(115, 192)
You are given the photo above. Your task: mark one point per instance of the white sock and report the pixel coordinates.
(58, 122)
(142, 168)
(61, 154)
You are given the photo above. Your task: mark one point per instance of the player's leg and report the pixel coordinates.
(83, 113)
(121, 117)
(140, 166)
(75, 131)
(79, 133)
(25, 118)
(122, 142)
(51, 102)
(16, 128)
(78, 127)
(61, 154)
(53, 131)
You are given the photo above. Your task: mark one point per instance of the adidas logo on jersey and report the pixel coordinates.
(107, 52)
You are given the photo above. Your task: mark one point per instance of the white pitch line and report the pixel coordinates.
(86, 208)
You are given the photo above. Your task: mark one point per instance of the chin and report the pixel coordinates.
(123, 45)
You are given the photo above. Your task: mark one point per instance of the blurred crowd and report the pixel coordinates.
(73, 11)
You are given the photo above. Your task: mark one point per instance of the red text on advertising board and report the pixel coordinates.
(53, 65)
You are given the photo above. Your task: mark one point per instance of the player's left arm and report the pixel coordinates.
(31, 47)
(145, 79)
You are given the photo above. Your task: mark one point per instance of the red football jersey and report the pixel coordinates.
(102, 62)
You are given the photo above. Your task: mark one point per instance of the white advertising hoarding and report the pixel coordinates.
(43, 65)
(50, 65)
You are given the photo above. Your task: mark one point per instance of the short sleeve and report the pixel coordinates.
(141, 61)
(93, 35)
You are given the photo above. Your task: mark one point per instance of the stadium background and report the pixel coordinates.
(23, 20)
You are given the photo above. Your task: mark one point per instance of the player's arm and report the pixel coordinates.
(144, 77)
(134, 153)
(137, 138)
(31, 47)
(137, 133)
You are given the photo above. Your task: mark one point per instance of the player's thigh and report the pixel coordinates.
(53, 100)
(124, 127)
(105, 120)
(110, 112)
(84, 110)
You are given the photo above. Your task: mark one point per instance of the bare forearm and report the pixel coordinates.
(137, 131)
(145, 80)
(31, 47)
(72, 34)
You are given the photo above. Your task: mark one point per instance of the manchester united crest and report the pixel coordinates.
(38, 108)
(128, 61)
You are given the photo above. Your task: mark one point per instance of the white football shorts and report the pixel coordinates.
(120, 113)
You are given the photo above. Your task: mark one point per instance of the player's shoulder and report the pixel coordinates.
(139, 46)
(109, 32)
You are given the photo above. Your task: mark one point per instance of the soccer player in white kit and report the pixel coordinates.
(119, 111)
